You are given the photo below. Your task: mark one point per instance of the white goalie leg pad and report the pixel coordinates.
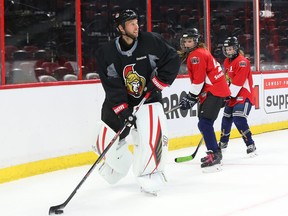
(152, 183)
(109, 174)
(118, 159)
(151, 147)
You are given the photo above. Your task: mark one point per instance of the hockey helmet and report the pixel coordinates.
(123, 16)
(231, 42)
(189, 33)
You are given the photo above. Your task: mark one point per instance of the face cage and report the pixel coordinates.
(186, 49)
(235, 48)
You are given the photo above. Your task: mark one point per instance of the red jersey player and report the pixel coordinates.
(209, 86)
(238, 107)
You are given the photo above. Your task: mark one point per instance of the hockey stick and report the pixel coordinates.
(58, 208)
(189, 157)
(174, 108)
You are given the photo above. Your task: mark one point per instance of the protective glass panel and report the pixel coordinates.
(39, 40)
(172, 18)
(273, 35)
(232, 18)
(98, 28)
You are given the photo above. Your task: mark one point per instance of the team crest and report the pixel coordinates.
(242, 64)
(195, 60)
(133, 81)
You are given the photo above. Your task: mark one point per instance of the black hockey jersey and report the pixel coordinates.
(124, 74)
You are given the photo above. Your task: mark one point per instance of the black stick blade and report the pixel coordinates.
(56, 210)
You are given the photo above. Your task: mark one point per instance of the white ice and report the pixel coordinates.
(246, 186)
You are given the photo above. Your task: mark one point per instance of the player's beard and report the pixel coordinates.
(132, 36)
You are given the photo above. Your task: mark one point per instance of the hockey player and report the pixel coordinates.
(129, 66)
(238, 106)
(209, 87)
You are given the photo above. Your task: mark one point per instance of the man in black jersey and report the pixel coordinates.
(131, 65)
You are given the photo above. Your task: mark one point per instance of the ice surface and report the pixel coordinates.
(246, 186)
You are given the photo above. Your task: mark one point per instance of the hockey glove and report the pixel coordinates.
(226, 101)
(188, 101)
(128, 116)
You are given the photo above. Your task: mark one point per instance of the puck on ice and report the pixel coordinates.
(58, 211)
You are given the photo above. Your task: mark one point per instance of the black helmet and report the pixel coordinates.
(123, 16)
(189, 33)
(231, 41)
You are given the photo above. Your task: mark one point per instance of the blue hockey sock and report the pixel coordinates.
(226, 129)
(244, 130)
(206, 127)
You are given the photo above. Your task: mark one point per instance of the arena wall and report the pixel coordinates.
(45, 129)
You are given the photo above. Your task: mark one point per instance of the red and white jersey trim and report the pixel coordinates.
(120, 108)
(160, 85)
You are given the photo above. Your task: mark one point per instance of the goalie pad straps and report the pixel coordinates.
(109, 174)
(151, 141)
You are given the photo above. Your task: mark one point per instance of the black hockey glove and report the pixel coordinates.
(128, 116)
(188, 101)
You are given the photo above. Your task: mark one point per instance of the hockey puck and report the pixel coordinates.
(59, 211)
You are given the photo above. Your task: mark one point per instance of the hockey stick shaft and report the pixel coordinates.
(189, 157)
(55, 209)
(173, 109)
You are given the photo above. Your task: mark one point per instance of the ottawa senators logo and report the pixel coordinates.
(228, 78)
(133, 81)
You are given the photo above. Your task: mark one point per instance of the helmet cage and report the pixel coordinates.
(190, 34)
(231, 42)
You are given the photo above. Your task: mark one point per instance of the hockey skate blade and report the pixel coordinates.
(252, 154)
(212, 169)
(223, 150)
(150, 193)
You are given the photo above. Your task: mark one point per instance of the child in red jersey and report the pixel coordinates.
(209, 86)
(238, 105)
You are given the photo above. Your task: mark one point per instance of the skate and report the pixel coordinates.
(251, 150)
(206, 158)
(223, 145)
(212, 162)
